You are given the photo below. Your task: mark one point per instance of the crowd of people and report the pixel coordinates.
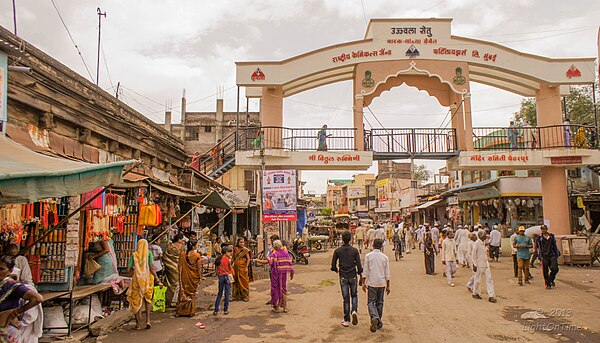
(471, 247)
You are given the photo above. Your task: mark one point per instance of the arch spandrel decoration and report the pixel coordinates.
(417, 40)
(433, 77)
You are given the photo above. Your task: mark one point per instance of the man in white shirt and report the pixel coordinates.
(360, 237)
(435, 235)
(157, 253)
(376, 277)
(370, 237)
(22, 264)
(449, 256)
(380, 234)
(481, 267)
(463, 246)
(495, 242)
(472, 240)
(514, 252)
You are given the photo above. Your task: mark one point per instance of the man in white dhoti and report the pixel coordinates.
(481, 267)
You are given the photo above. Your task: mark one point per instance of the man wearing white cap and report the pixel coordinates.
(495, 242)
(481, 267)
(462, 236)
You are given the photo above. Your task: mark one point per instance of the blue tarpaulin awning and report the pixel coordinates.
(27, 176)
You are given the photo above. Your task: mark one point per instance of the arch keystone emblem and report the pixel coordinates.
(368, 82)
(459, 79)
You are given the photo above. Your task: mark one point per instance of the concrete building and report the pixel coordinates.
(204, 129)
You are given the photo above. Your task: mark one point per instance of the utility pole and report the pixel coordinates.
(14, 3)
(100, 15)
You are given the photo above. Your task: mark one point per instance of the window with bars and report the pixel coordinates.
(191, 133)
(208, 129)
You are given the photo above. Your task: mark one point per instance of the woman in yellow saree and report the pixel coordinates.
(142, 282)
(190, 273)
(241, 275)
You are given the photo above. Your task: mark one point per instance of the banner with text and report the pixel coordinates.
(279, 196)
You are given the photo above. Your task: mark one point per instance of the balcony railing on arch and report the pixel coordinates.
(296, 139)
(532, 138)
(411, 141)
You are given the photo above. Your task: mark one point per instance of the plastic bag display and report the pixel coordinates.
(55, 318)
(159, 299)
(150, 215)
(91, 266)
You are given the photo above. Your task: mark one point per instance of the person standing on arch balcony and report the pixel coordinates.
(322, 138)
(513, 136)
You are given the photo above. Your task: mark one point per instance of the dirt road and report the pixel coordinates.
(420, 308)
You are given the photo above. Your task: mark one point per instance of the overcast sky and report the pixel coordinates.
(158, 48)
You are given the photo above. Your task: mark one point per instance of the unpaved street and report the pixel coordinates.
(420, 308)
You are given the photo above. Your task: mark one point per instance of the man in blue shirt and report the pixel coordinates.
(523, 243)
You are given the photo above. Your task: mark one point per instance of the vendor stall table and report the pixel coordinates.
(76, 293)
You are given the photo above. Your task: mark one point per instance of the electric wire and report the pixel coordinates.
(106, 66)
(73, 41)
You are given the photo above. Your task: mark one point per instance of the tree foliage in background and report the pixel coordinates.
(580, 107)
(327, 212)
(420, 173)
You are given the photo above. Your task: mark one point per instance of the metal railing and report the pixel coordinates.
(531, 138)
(413, 141)
(292, 139)
(216, 156)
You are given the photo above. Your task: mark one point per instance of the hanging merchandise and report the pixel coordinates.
(11, 217)
(96, 204)
(530, 203)
(150, 215)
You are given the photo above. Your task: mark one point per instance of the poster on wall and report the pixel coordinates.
(279, 196)
(382, 193)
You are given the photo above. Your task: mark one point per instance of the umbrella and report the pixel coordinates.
(530, 231)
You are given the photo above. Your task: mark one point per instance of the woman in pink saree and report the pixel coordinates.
(281, 265)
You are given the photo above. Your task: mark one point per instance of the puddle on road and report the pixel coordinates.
(326, 282)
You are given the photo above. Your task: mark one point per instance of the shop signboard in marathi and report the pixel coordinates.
(279, 195)
(356, 192)
(523, 159)
(479, 194)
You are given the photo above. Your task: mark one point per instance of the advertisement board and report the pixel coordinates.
(279, 196)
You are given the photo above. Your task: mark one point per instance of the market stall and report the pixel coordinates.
(40, 208)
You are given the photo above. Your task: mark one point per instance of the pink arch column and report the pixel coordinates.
(357, 120)
(554, 180)
(271, 114)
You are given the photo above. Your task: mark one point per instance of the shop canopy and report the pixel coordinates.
(429, 204)
(471, 186)
(27, 176)
(213, 199)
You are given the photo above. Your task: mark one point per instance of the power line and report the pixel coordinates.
(143, 96)
(106, 66)
(364, 13)
(72, 40)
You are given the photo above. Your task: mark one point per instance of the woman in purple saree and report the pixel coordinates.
(281, 265)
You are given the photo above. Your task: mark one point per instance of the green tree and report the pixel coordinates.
(579, 107)
(526, 113)
(420, 173)
(327, 212)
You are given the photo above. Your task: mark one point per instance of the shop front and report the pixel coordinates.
(506, 201)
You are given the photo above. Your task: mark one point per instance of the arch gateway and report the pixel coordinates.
(424, 54)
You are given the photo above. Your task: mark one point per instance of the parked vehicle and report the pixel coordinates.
(299, 252)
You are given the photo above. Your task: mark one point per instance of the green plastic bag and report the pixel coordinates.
(159, 299)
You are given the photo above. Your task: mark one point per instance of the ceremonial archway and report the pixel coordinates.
(423, 53)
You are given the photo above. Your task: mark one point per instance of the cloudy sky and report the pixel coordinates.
(158, 48)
